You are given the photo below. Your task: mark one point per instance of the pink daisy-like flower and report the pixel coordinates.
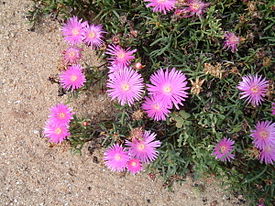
(267, 154)
(119, 56)
(73, 30)
(264, 134)
(116, 158)
(134, 166)
(162, 6)
(169, 86)
(72, 78)
(273, 108)
(55, 131)
(253, 88)
(72, 55)
(61, 114)
(223, 150)
(192, 8)
(144, 149)
(231, 41)
(125, 85)
(93, 35)
(155, 108)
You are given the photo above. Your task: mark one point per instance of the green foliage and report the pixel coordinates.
(189, 135)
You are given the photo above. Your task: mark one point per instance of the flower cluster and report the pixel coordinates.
(264, 140)
(57, 125)
(132, 157)
(167, 88)
(76, 32)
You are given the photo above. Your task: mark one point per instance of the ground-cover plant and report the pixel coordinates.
(197, 74)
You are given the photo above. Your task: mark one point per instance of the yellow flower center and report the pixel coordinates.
(73, 78)
(117, 157)
(121, 55)
(134, 164)
(167, 89)
(254, 89)
(195, 6)
(75, 31)
(223, 149)
(92, 34)
(156, 106)
(125, 87)
(234, 39)
(141, 147)
(62, 115)
(264, 134)
(161, 1)
(58, 130)
(72, 54)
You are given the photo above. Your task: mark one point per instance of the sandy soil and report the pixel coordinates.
(32, 172)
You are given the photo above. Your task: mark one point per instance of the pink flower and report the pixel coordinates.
(223, 150)
(125, 85)
(253, 88)
(155, 108)
(72, 78)
(115, 68)
(273, 108)
(231, 41)
(55, 131)
(264, 134)
(134, 166)
(144, 149)
(169, 86)
(162, 6)
(116, 158)
(61, 114)
(120, 57)
(73, 30)
(192, 8)
(93, 35)
(267, 154)
(72, 55)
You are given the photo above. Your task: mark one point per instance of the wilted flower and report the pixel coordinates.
(116, 158)
(73, 30)
(162, 6)
(93, 35)
(55, 131)
(196, 86)
(134, 166)
(264, 134)
(61, 114)
(231, 41)
(223, 150)
(137, 133)
(72, 55)
(169, 86)
(216, 71)
(253, 88)
(138, 115)
(126, 86)
(156, 108)
(119, 56)
(144, 149)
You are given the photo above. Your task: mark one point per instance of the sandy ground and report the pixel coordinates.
(31, 172)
